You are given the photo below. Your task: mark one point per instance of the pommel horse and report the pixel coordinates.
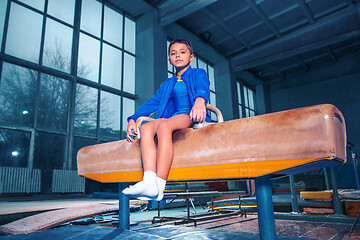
(260, 147)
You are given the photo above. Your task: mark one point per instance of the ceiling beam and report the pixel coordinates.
(168, 15)
(223, 25)
(305, 8)
(350, 2)
(222, 40)
(232, 15)
(163, 4)
(303, 64)
(135, 7)
(331, 54)
(334, 28)
(263, 17)
(277, 71)
(236, 13)
(249, 78)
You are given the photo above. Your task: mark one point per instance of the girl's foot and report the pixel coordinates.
(161, 183)
(145, 188)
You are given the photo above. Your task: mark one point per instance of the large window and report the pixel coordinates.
(24, 32)
(67, 79)
(199, 63)
(246, 100)
(14, 148)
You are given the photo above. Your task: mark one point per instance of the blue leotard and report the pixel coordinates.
(181, 99)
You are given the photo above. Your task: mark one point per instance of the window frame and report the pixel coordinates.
(71, 76)
(244, 109)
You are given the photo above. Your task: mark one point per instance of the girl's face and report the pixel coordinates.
(180, 55)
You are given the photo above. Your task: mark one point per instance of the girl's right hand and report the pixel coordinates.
(131, 130)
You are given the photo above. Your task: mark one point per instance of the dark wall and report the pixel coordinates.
(337, 84)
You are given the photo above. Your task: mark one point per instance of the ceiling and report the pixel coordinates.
(271, 39)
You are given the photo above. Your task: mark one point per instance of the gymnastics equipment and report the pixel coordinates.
(261, 147)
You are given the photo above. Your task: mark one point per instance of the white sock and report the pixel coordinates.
(161, 183)
(146, 187)
(161, 187)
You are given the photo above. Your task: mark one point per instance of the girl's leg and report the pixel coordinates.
(165, 150)
(161, 160)
(147, 144)
(148, 186)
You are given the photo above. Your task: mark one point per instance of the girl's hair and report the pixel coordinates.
(180, 40)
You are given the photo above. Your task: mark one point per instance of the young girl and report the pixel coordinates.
(179, 102)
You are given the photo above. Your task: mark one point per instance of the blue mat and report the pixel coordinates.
(160, 232)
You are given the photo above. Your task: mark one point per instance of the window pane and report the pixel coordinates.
(85, 119)
(170, 75)
(211, 78)
(128, 110)
(251, 100)
(17, 95)
(89, 54)
(213, 102)
(14, 148)
(240, 112)
(247, 111)
(167, 54)
(252, 113)
(111, 67)
(58, 44)
(38, 4)
(129, 73)
(49, 151)
(202, 65)
(78, 143)
(130, 35)
(238, 92)
(170, 67)
(91, 17)
(63, 10)
(113, 24)
(246, 99)
(212, 99)
(24, 33)
(193, 64)
(2, 18)
(53, 105)
(110, 115)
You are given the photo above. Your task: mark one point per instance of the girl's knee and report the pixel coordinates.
(147, 128)
(164, 128)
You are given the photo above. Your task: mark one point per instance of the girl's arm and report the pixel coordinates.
(150, 106)
(130, 129)
(202, 94)
(202, 84)
(198, 111)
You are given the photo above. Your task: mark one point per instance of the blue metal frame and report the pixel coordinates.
(265, 208)
(294, 199)
(326, 175)
(353, 156)
(124, 208)
(336, 199)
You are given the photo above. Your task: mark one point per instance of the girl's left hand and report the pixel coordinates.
(198, 111)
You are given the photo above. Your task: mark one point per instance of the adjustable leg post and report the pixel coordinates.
(294, 200)
(326, 175)
(265, 208)
(124, 208)
(336, 199)
(353, 156)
